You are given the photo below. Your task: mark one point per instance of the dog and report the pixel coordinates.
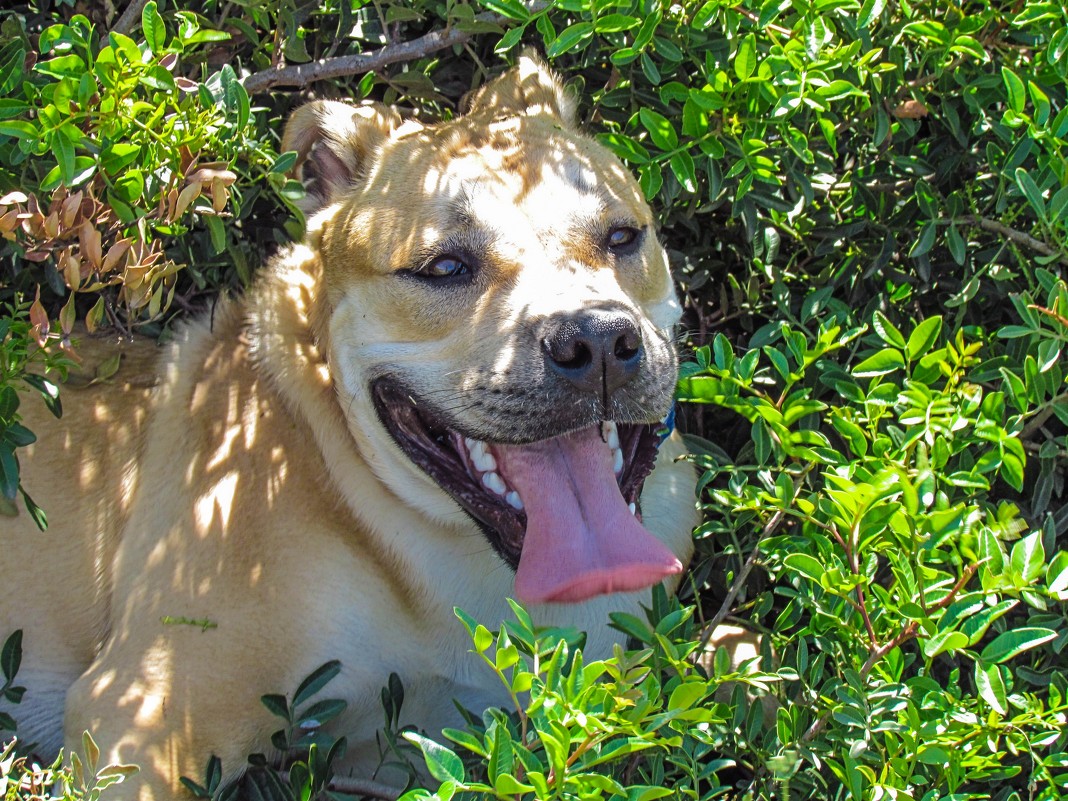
(452, 392)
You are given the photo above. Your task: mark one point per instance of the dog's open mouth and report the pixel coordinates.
(564, 512)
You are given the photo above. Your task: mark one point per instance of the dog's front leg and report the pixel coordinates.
(167, 708)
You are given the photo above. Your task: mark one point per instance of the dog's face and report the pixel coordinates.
(499, 325)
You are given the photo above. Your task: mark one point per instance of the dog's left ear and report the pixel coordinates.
(529, 88)
(334, 141)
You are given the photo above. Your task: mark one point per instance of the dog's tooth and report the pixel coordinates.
(483, 461)
(613, 437)
(633, 509)
(494, 483)
(514, 500)
(617, 461)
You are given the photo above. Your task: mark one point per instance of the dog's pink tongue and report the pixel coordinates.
(581, 538)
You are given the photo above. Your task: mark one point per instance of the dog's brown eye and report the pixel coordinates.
(445, 267)
(622, 239)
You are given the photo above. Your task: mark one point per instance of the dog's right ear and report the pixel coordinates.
(334, 141)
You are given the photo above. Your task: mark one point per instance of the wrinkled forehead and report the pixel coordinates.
(521, 167)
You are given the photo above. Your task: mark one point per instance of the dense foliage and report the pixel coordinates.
(866, 205)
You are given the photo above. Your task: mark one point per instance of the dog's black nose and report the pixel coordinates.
(597, 350)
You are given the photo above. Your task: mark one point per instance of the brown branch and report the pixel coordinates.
(1060, 318)
(130, 18)
(903, 636)
(323, 69)
(739, 581)
(1019, 237)
(753, 17)
(1034, 425)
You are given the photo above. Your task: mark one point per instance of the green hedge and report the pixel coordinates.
(866, 206)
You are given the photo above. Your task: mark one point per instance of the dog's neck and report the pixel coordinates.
(288, 340)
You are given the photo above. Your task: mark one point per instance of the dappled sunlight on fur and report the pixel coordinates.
(243, 514)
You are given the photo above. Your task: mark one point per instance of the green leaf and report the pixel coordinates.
(870, 10)
(885, 361)
(11, 655)
(49, 392)
(1057, 576)
(511, 38)
(315, 681)
(647, 792)
(683, 168)
(321, 712)
(661, 132)
(11, 107)
(806, 565)
(216, 231)
(19, 129)
(1012, 462)
(19, 436)
(886, 331)
(68, 66)
(651, 178)
(9, 472)
(1015, 88)
(745, 58)
(9, 402)
(442, 763)
(991, 686)
(276, 704)
(467, 740)
(925, 241)
(284, 163)
(975, 626)
(624, 147)
(12, 60)
(948, 641)
(571, 38)
(614, 23)
(1012, 643)
(37, 514)
(152, 26)
(512, 9)
(157, 77)
(923, 337)
(686, 695)
(1031, 192)
(116, 157)
(1029, 557)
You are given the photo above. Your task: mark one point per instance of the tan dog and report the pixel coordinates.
(311, 474)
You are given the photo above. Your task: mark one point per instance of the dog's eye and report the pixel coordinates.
(445, 267)
(623, 239)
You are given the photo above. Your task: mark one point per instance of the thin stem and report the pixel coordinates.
(323, 69)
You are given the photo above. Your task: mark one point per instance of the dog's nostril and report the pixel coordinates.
(575, 357)
(598, 350)
(627, 346)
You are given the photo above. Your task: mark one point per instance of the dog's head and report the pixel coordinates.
(500, 316)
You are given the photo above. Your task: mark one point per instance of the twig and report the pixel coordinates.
(739, 581)
(1060, 318)
(902, 637)
(1034, 425)
(1019, 237)
(753, 17)
(130, 18)
(359, 787)
(303, 74)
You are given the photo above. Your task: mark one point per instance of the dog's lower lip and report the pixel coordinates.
(441, 450)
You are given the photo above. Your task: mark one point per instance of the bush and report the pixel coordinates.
(866, 206)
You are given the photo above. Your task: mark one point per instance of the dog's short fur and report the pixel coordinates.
(278, 473)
